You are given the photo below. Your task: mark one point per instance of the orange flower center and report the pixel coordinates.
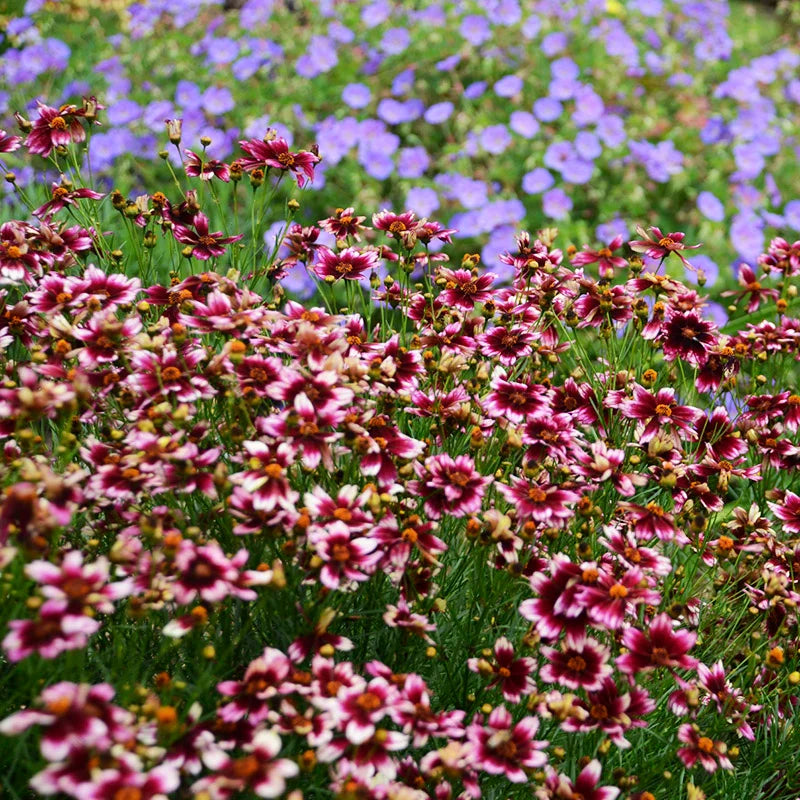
(60, 124)
(13, 251)
(341, 552)
(705, 744)
(576, 664)
(344, 267)
(598, 711)
(287, 159)
(369, 701)
(171, 374)
(343, 514)
(274, 470)
(459, 478)
(397, 227)
(537, 495)
(618, 591)
(663, 410)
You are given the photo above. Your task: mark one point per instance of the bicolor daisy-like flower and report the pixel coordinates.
(661, 646)
(449, 486)
(659, 245)
(581, 663)
(345, 558)
(264, 682)
(539, 500)
(55, 127)
(198, 167)
(711, 754)
(258, 771)
(73, 716)
(687, 336)
(788, 511)
(464, 288)
(556, 609)
(349, 264)
(751, 289)
(344, 224)
(605, 259)
(8, 143)
(394, 224)
(610, 598)
(204, 245)
(656, 412)
(502, 748)
(62, 196)
(514, 676)
(273, 151)
(584, 787)
(507, 345)
(515, 400)
(358, 710)
(652, 521)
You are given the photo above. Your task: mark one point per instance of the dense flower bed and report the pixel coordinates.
(431, 536)
(588, 114)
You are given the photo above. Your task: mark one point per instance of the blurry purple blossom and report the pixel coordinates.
(547, 109)
(412, 162)
(537, 181)
(439, 112)
(710, 206)
(423, 200)
(524, 124)
(508, 86)
(556, 204)
(495, 139)
(475, 29)
(475, 90)
(356, 95)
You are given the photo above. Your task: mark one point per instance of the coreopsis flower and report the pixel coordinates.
(656, 412)
(415, 715)
(129, 779)
(605, 259)
(711, 754)
(394, 224)
(687, 336)
(19, 261)
(205, 572)
(55, 127)
(550, 436)
(788, 511)
(507, 345)
(661, 646)
(382, 444)
(172, 373)
(73, 716)
(430, 229)
(206, 169)
(602, 304)
(449, 486)
(539, 500)
(751, 289)
(658, 245)
(259, 771)
(273, 151)
(603, 464)
(463, 288)
(348, 507)
(80, 585)
(580, 663)
(105, 338)
(610, 598)
(344, 224)
(585, 786)
(400, 538)
(556, 608)
(8, 143)
(515, 400)
(613, 712)
(57, 628)
(264, 682)
(204, 245)
(357, 710)
(62, 196)
(350, 264)
(504, 748)
(781, 257)
(345, 558)
(108, 291)
(651, 521)
(513, 676)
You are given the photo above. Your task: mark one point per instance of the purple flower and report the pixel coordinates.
(558, 154)
(531, 27)
(356, 95)
(475, 29)
(246, 67)
(524, 124)
(508, 86)
(747, 236)
(187, 94)
(439, 112)
(587, 145)
(710, 206)
(376, 13)
(394, 112)
(475, 90)
(556, 204)
(791, 213)
(495, 139)
(123, 112)
(378, 166)
(576, 170)
(749, 161)
(412, 162)
(217, 100)
(609, 230)
(340, 33)
(554, 43)
(423, 200)
(449, 63)
(547, 109)
(537, 181)
(395, 40)
(611, 130)
(403, 82)
(222, 50)
(564, 68)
